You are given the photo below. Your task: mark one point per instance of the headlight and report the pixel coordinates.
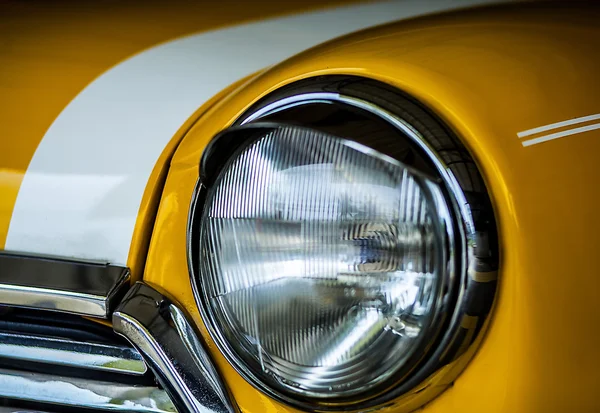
(323, 261)
(326, 269)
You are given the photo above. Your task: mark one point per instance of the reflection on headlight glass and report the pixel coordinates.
(322, 261)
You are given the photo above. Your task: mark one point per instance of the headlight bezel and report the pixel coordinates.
(472, 299)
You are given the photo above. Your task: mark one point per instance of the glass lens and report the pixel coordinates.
(323, 261)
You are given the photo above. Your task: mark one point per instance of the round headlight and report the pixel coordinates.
(335, 256)
(324, 262)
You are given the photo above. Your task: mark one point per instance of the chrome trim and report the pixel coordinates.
(57, 351)
(56, 284)
(447, 286)
(477, 253)
(171, 348)
(82, 393)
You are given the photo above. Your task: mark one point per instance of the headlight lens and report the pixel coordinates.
(323, 262)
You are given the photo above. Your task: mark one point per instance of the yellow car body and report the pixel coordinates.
(512, 81)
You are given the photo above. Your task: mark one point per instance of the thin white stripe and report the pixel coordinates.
(561, 134)
(558, 125)
(82, 190)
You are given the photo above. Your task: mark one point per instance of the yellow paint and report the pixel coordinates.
(10, 180)
(50, 51)
(488, 74)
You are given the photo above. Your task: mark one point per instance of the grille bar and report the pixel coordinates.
(112, 358)
(83, 393)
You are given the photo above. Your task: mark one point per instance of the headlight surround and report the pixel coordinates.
(469, 248)
(324, 263)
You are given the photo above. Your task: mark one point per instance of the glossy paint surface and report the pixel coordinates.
(51, 52)
(103, 122)
(491, 75)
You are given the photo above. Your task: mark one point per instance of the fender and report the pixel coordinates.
(517, 84)
(81, 194)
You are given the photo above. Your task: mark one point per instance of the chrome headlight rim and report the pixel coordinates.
(245, 135)
(469, 302)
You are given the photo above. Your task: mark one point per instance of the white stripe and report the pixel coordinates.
(558, 125)
(561, 134)
(100, 151)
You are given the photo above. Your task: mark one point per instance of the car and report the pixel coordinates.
(305, 206)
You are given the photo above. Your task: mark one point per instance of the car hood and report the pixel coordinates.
(92, 95)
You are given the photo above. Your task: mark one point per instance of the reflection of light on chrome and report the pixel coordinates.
(82, 393)
(56, 351)
(461, 200)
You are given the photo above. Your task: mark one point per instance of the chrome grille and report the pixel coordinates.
(54, 358)
(52, 362)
